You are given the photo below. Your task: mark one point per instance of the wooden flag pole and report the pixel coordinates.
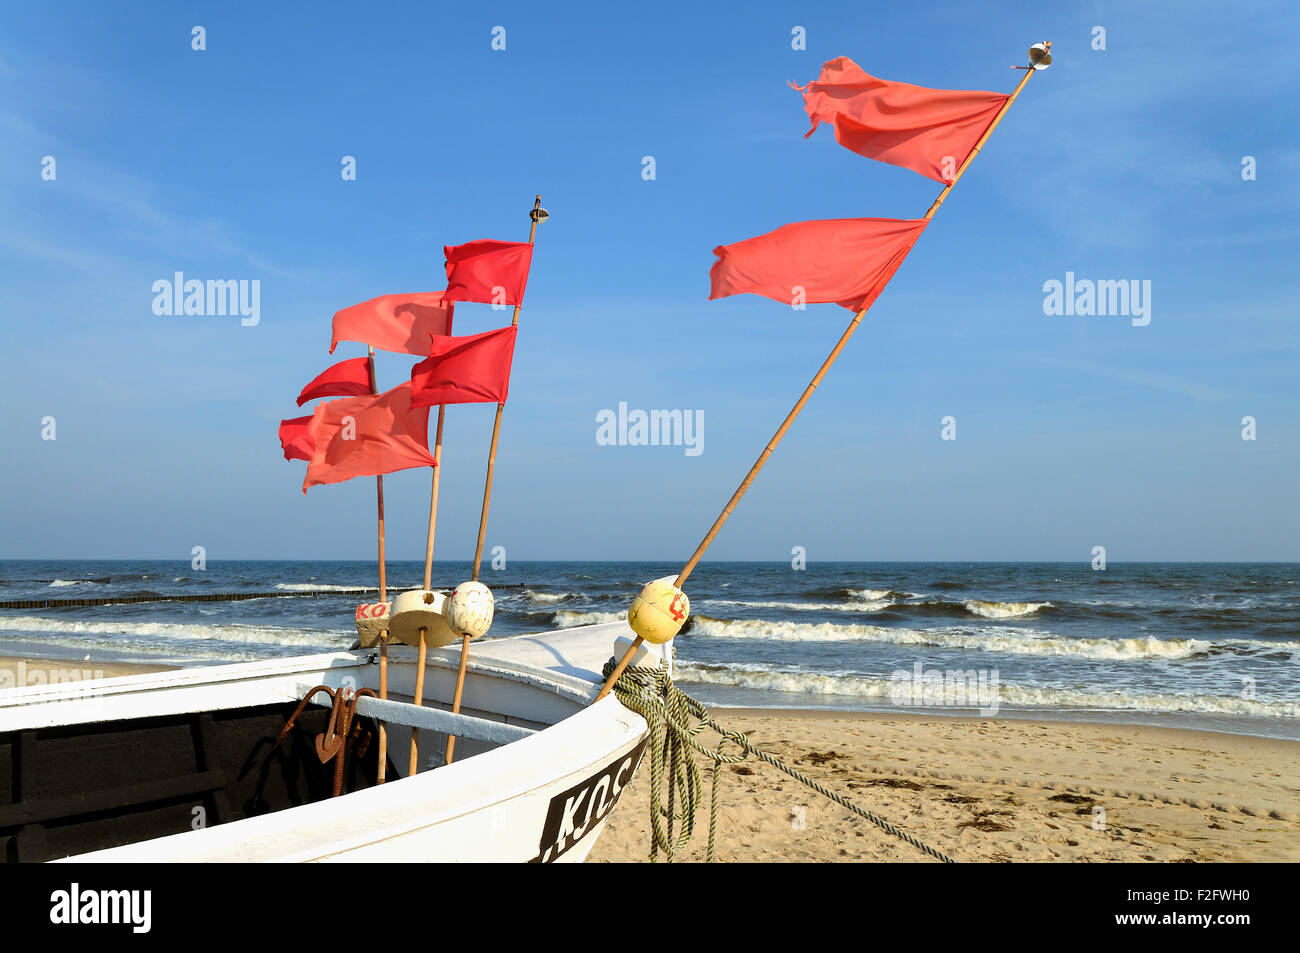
(413, 766)
(980, 144)
(460, 688)
(535, 217)
(496, 425)
(382, 770)
(799, 404)
(433, 499)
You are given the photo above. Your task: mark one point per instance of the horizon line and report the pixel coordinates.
(751, 562)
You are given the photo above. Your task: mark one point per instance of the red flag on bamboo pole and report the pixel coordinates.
(295, 440)
(489, 271)
(367, 436)
(845, 260)
(465, 370)
(397, 322)
(930, 131)
(350, 378)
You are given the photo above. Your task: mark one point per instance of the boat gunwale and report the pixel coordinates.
(406, 809)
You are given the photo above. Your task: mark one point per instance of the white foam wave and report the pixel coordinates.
(873, 595)
(58, 583)
(570, 617)
(1003, 610)
(546, 598)
(320, 586)
(172, 631)
(855, 606)
(770, 678)
(877, 600)
(1008, 639)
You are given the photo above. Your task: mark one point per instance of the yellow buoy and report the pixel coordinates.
(659, 611)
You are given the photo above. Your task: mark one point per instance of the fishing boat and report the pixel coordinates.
(184, 765)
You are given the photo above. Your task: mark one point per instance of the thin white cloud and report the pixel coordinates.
(120, 203)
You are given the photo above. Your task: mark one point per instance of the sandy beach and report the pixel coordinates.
(990, 790)
(18, 671)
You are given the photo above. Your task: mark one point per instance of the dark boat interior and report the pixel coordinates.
(75, 788)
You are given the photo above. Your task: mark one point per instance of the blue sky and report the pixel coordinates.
(1072, 431)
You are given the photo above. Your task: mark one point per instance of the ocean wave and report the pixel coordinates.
(899, 601)
(1008, 640)
(323, 587)
(856, 606)
(1003, 610)
(880, 600)
(547, 598)
(851, 592)
(877, 595)
(566, 618)
(1027, 697)
(173, 632)
(59, 583)
(980, 608)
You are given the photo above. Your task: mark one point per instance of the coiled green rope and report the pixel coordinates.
(676, 720)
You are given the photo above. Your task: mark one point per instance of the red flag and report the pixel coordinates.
(930, 131)
(349, 378)
(401, 322)
(465, 370)
(295, 440)
(488, 270)
(366, 436)
(845, 260)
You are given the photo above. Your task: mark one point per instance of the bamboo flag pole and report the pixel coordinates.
(496, 426)
(433, 499)
(536, 215)
(414, 763)
(460, 688)
(382, 771)
(803, 398)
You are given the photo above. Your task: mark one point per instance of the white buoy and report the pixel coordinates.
(470, 609)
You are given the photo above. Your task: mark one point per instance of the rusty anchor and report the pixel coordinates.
(341, 731)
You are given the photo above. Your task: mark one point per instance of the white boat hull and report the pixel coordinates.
(544, 797)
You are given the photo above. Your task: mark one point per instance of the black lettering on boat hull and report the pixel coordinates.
(576, 811)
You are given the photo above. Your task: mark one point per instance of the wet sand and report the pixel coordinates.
(20, 671)
(989, 790)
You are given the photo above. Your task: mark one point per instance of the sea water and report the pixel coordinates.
(1182, 644)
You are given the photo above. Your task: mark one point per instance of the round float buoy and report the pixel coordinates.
(659, 611)
(417, 609)
(470, 608)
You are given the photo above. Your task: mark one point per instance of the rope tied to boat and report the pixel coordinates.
(676, 720)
